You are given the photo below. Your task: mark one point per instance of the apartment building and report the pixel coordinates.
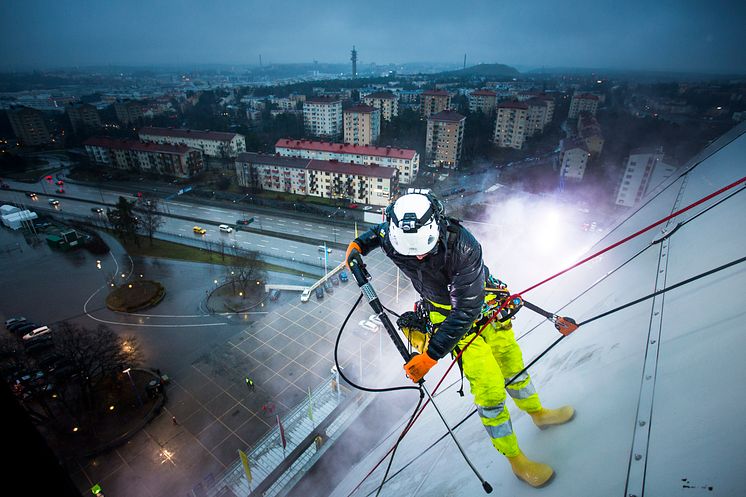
(537, 117)
(407, 161)
(484, 101)
(573, 159)
(646, 169)
(211, 143)
(445, 138)
(583, 102)
(511, 124)
(83, 117)
(29, 126)
(359, 183)
(170, 160)
(128, 111)
(589, 130)
(322, 116)
(434, 101)
(385, 101)
(362, 125)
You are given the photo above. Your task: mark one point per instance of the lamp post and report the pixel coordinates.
(134, 388)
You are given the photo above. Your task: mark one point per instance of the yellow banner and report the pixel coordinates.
(245, 462)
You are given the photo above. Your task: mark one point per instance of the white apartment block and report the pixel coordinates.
(322, 116)
(362, 125)
(646, 169)
(366, 184)
(406, 161)
(573, 159)
(582, 102)
(211, 143)
(511, 124)
(131, 155)
(537, 118)
(483, 101)
(385, 101)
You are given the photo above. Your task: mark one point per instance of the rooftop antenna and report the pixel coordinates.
(354, 62)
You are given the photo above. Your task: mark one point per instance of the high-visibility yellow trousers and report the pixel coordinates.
(492, 360)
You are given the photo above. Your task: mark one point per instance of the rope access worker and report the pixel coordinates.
(444, 262)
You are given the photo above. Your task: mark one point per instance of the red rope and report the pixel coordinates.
(497, 312)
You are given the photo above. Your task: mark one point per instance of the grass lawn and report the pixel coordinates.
(171, 250)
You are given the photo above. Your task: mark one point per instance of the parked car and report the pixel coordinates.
(42, 330)
(334, 280)
(97, 210)
(198, 230)
(10, 321)
(54, 202)
(343, 276)
(352, 206)
(12, 327)
(368, 208)
(328, 287)
(319, 293)
(274, 294)
(305, 295)
(26, 328)
(225, 228)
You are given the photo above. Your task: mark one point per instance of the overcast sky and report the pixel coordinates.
(683, 35)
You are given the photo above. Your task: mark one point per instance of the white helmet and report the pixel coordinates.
(413, 224)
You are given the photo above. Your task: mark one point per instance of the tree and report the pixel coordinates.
(123, 219)
(94, 355)
(245, 271)
(151, 217)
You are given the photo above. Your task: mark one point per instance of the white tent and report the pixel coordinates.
(17, 219)
(657, 385)
(8, 209)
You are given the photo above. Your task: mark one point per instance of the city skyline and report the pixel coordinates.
(636, 36)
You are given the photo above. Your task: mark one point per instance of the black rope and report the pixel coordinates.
(604, 314)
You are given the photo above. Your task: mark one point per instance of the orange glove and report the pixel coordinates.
(418, 366)
(352, 246)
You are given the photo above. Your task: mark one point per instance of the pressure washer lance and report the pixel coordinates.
(362, 277)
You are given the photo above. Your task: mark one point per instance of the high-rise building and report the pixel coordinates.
(646, 169)
(385, 101)
(367, 184)
(589, 130)
(573, 159)
(211, 143)
(132, 155)
(407, 161)
(582, 102)
(83, 116)
(322, 116)
(445, 138)
(362, 125)
(511, 124)
(483, 101)
(128, 111)
(434, 101)
(353, 58)
(29, 126)
(537, 117)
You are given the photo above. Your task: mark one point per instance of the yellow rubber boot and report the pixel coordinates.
(549, 417)
(534, 473)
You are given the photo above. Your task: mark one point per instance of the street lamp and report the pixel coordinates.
(134, 388)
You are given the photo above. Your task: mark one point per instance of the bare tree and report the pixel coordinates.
(151, 217)
(245, 271)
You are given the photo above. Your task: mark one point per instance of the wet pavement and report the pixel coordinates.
(285, 349)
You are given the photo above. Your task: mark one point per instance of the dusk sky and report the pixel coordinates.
(683, 35)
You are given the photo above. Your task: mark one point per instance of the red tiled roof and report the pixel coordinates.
(319, 165)
(113, 143)
(512, 104)
(447, 115)
(484, 93)
(187, 133)
(381, 94)
(345, 148)
(366, 109)
(586, 96)
(436, 93)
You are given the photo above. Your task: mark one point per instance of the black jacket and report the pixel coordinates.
(453, 274)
